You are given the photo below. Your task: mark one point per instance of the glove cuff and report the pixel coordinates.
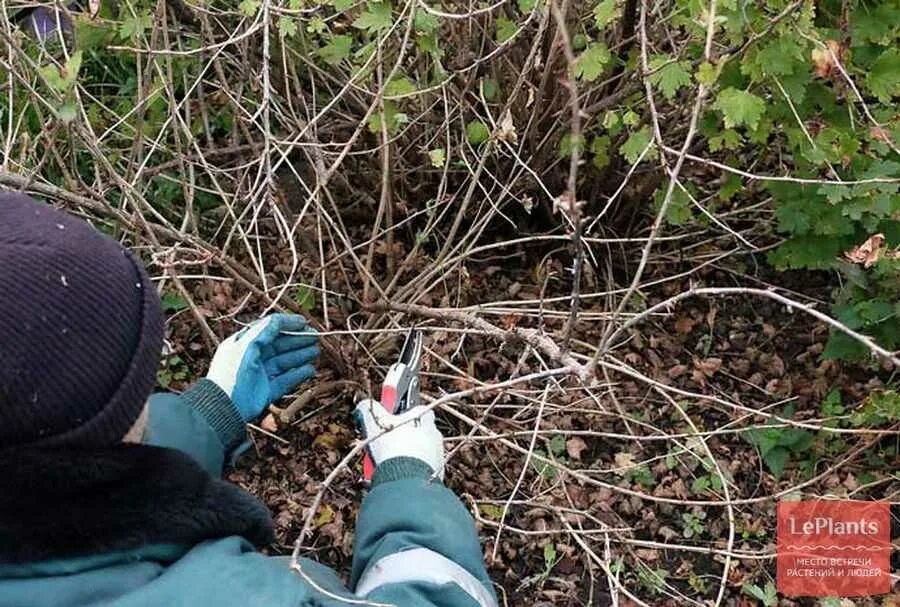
(211, 402)
(400, 468)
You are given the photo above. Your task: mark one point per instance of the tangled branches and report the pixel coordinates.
(545, 186)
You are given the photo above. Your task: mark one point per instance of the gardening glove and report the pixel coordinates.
(418, 438)
(259, 364)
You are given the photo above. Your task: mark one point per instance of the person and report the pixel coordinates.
(111, 496)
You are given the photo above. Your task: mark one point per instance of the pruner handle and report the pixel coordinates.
(400, 390)
(389, 402)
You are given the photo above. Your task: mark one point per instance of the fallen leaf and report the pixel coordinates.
(567, 204)
(825, 59)
(868, 253)
(269, 424)
(624, 462)
(325, 516)
(574, 447)
(646, 554)
(676, 371)
(705, 368)
(684, 325)
(507, 130)
(880, 134)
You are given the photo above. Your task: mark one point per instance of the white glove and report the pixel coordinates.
(418, 438)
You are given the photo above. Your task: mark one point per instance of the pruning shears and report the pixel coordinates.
(400, 390)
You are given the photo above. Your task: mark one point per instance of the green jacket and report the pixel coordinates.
(415, 545)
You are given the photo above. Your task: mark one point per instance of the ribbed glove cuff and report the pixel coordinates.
(210, 401)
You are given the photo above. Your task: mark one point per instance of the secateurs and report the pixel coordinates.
(400, 390)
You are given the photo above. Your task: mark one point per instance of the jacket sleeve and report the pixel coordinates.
(416, 543)
(201, 422)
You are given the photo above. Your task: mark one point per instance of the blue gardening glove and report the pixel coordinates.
(418, 437)
(259, 364)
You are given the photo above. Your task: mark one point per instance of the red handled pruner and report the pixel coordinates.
(400, 390)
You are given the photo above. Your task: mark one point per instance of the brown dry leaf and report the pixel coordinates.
(624, 461)
(646, 554)
(507, 130)
(705, 368)
(891, 600)
(868, 253)
(676, 371)
(668, 533)
(574, 447)
(269, 424)
(824, 59)
(880, 134)
(567, 204)
(684, 325)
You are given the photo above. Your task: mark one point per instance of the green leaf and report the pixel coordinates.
(549, 555)
(67, 112)
(287, 27)
(316, 25)
(567, 145)
(635, 144)
(337, 49)
(731, 186)
(378, 16)
(605, 13)
(612, 122)
(767, 596)
(477, 132)
(249, 7)
(506, 29)
(600, 151)
(489, 88)
(669, 76)
(592, 62)
(883, 78)
(526, 6)
(558, 445)
(776, 459)
(740, 108)
(172, 302)
(841, 346)
(707, 74)
(426, 23)
(580, 41)
(700, 484)
(438, 157)
(133, 27)
(392, 118)
(305, 298)
(491, 511)
(342, 5)
(73, 66)
(726, 140)
(400, 85)
(61, 79)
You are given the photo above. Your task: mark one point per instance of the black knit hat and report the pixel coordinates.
(80, 330)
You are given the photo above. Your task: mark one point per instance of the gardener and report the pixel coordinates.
(107, 497)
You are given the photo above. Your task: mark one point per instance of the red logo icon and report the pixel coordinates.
(833, 548)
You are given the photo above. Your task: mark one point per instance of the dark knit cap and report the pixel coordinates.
(80, 330)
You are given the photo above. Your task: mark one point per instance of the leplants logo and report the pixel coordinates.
(833, 548)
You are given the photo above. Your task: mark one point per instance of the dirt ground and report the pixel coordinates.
(754, 352)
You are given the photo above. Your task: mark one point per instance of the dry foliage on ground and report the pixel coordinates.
(577, 201)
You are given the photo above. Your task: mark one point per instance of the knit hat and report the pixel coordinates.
(80, 330)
